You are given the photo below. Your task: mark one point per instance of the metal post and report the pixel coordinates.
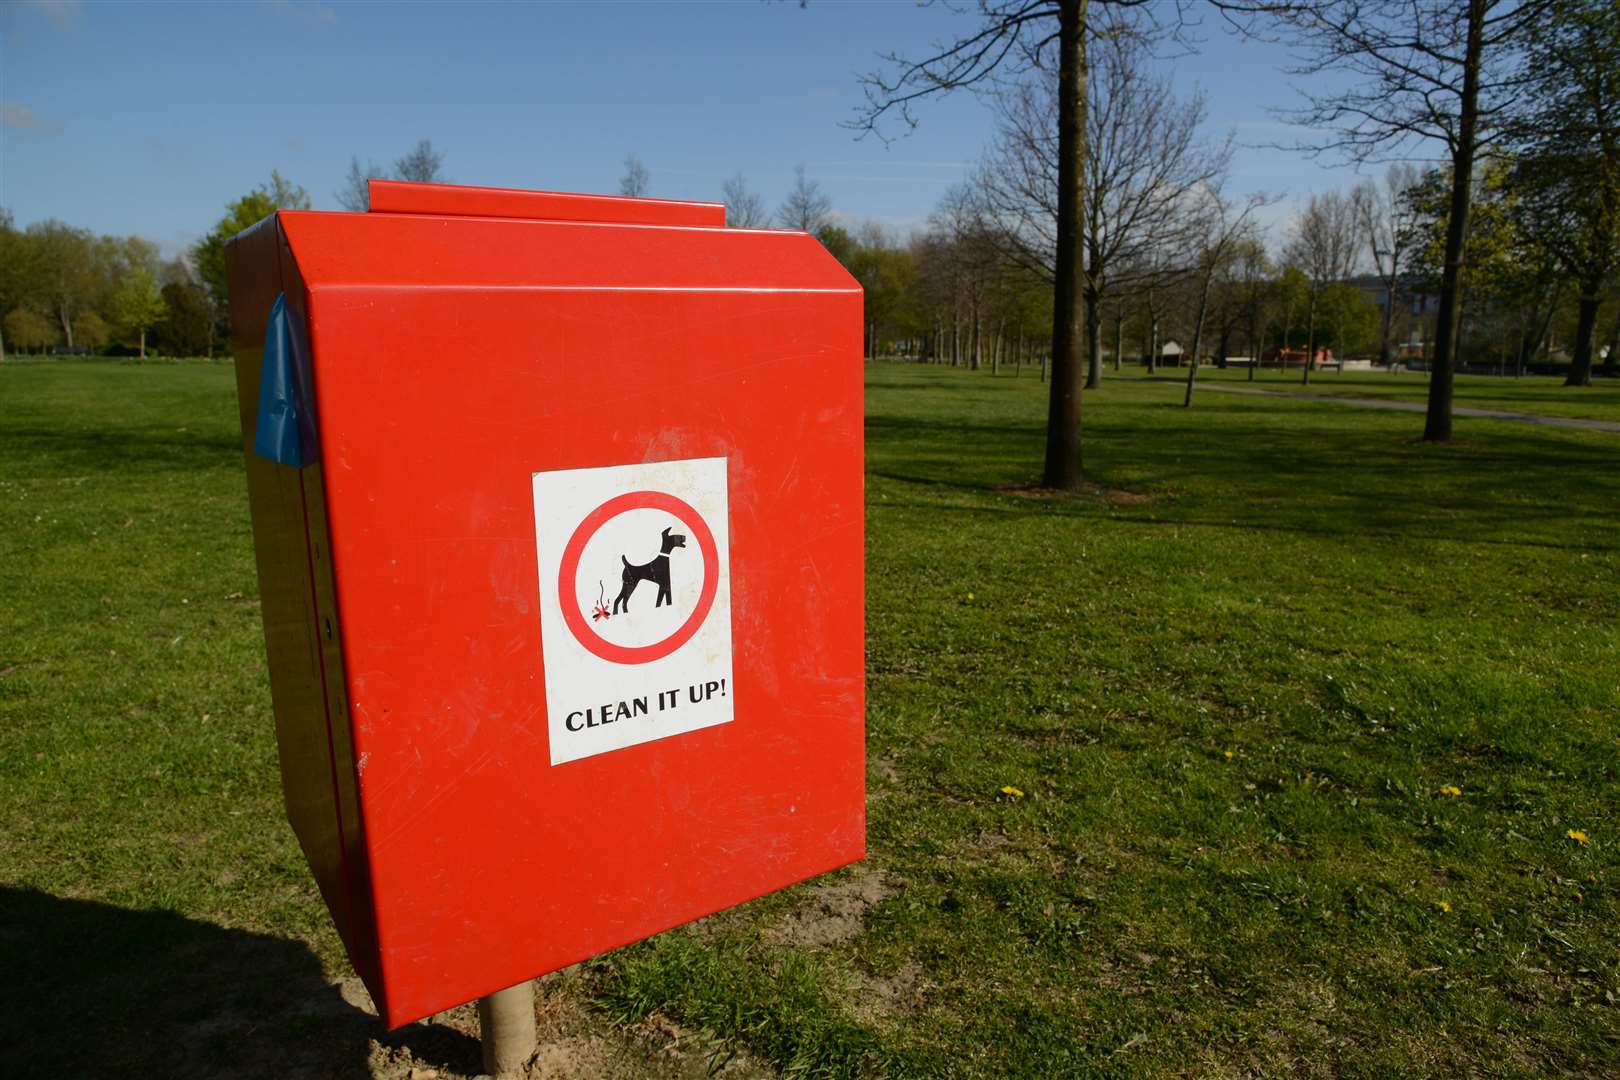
(506, 1023)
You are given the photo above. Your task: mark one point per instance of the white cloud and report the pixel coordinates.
(62, 13)
(19, 117)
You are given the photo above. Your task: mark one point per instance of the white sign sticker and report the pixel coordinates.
(635, 602)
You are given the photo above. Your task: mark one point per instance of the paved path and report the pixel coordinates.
(1418, 407)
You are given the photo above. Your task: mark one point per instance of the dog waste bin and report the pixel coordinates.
(557, 505)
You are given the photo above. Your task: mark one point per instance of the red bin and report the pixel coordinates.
(557, 506)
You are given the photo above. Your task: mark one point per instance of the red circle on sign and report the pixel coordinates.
(619, 504)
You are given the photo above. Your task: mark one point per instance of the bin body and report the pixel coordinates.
(487, 776)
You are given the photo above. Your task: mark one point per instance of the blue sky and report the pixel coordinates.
(147, 118)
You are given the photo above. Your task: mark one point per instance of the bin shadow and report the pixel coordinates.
(96, 990)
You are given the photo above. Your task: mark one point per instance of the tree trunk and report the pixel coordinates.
(1062, 466)
(1254, 347)
(1153, 345)
(1093, 339)
(67, 325)
(1386, 355)
(1119, 336)
(975, 343)
(1580, 369)
(143, 343)
(1310, 337)
(1437, 425)
(1198, 336)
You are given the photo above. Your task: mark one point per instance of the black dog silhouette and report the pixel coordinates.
(656, 572)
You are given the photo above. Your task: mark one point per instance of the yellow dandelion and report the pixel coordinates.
(1451, 789)
(1578, 836)
(1012, 791)
(1227, 754)
(970, 596)
(1443, 906)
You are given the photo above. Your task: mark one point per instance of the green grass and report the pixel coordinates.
(1537, 394)
(1231, 682)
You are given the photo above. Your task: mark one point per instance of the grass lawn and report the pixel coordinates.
(1543, 394)
(1302, 713)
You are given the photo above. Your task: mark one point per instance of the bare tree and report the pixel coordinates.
(636, 178)
(1386, 218)
(1015, 37)
(1226, 227)
(744, 208)
(806, 207)
(1426, 71)
(1323, 245)
(423, 164)
(1145, 159)
(355, 194)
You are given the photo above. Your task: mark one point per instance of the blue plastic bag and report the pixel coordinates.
(286, 424)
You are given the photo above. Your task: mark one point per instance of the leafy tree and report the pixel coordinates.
(64, 259)
(137, 305)
(17, 270)
(1568, 175)
(29, 330)
(208, 254)
(188, 325)
(91, 331)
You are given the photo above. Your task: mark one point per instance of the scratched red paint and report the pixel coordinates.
(458, 345)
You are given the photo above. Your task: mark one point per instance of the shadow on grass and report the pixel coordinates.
(75, 451)
(96, 990)
(1274, 467)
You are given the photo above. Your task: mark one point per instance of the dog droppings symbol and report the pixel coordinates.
(600, 611)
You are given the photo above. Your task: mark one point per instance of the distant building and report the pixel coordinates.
(1415, 309)
(1279, 356)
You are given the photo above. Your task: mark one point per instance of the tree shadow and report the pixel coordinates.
(1266, 465)
(97, 990)
(125, 451)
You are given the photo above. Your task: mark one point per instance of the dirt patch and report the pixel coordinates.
(1086, 492)
(882, 775)
(835, 912)
(1128, 498)
(876, 998)
(575, 1044)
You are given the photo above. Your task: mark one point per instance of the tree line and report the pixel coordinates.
(1531, 82)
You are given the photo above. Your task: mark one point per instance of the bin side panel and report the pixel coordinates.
(361, 936)
(489, 864)
(260, 267)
